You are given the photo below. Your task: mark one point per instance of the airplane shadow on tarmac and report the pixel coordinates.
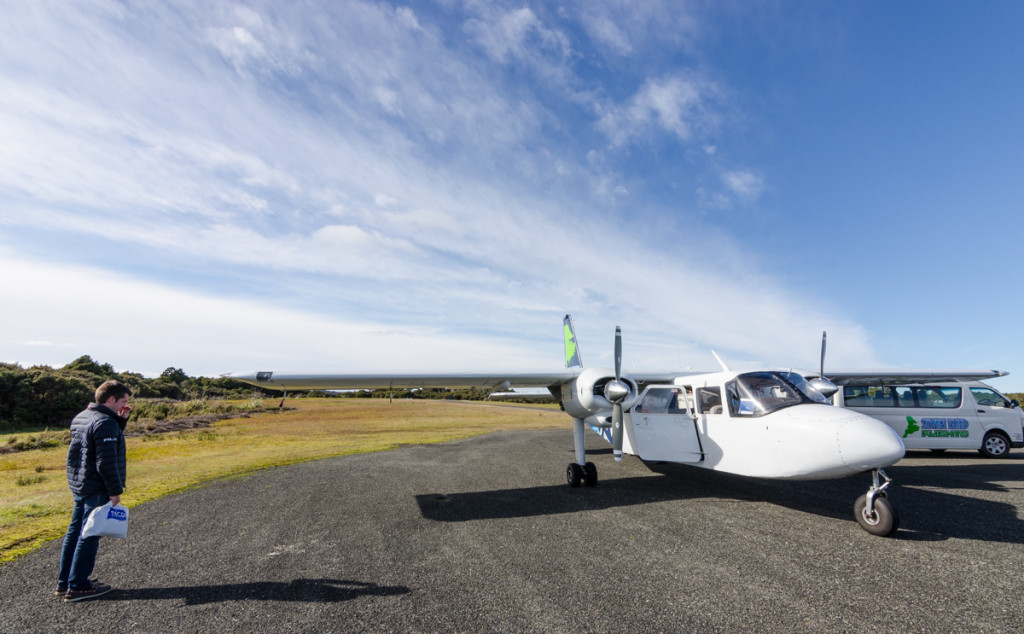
(311, 590)
(926, 514)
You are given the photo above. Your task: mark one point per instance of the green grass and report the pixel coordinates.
(35, 504)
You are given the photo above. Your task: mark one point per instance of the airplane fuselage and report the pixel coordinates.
(761, 428)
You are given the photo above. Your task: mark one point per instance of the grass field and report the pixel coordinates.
(35, 504)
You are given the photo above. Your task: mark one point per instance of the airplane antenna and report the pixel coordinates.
(725, 368)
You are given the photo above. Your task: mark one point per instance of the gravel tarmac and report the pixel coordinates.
(483, 535)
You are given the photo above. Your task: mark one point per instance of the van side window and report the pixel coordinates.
(882, 397)
(856, 396)
(860, 396)
(988, 397)
(904, 396)
(946, 397)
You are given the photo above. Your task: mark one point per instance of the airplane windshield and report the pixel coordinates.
(805, 386)
(758, 393)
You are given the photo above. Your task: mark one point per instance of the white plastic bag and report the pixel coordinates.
(107, 521)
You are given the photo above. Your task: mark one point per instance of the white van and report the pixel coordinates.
(940, 416)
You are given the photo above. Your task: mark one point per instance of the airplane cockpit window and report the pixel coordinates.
(758, 393)
(805, 386)
(663, 401)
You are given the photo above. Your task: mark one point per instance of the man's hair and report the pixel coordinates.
(111, 388)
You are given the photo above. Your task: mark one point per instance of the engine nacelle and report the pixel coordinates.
(584, 396)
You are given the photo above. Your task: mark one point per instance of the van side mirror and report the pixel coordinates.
(1014, 403)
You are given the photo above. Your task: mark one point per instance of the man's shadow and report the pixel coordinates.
(311, 590)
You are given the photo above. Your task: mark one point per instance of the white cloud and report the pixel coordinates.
(141, 326)
(679, 105)
(518, 35)
(744, 184)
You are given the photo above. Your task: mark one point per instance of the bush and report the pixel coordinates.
(42, 397)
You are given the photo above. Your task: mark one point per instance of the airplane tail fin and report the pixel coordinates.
(572, 351)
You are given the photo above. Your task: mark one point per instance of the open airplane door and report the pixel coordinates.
(664, 426)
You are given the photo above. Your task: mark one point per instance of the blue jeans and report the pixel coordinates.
(78, 556)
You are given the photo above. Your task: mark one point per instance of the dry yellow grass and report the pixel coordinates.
(35, 503)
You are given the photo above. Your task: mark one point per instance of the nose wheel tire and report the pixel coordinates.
(882, 521)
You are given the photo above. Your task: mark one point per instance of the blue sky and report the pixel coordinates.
(368, 186)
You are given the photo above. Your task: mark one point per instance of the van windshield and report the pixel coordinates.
(758, 393)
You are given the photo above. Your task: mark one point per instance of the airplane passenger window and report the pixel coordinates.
(660, 401)
(709, 400)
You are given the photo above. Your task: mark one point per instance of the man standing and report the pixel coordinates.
(96, 474)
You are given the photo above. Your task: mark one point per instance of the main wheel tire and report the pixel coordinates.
(590, 474)
(995, 444)
(574, 474)
(883, 521)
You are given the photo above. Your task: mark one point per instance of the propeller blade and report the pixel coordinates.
(618, 353)
(617, 404)
(617, 431)
(824, 386)
(822, 371)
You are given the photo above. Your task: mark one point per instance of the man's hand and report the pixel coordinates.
(115, 500)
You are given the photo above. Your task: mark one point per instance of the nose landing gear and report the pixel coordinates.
(873, 511)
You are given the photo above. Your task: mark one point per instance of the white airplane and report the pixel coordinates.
(762, 424)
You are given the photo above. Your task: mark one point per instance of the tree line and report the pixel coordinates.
(40, 396)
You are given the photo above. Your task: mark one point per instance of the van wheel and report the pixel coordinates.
(995, 445)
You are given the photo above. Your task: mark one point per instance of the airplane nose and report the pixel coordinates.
(867, 443)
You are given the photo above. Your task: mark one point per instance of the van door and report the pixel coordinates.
(996, 412)
(664, 426)
(937, 417)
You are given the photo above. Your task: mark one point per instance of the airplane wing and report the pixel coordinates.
(493, 380)
(901, 377)
(496, 380)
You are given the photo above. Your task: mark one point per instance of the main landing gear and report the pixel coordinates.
(581, 474)
(873, 511)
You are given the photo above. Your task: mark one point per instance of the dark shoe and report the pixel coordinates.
(93, 591)
(62, 588)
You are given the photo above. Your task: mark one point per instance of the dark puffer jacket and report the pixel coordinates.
(96, 456)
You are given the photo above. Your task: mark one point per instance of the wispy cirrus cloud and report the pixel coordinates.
(355, 164)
